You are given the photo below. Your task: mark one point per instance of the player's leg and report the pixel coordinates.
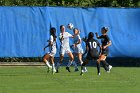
(81, 61)
(102, 60)
(98, 67)
(71, 59)
(46, 60)
(59, 63)
(53, 65)
(83, 65)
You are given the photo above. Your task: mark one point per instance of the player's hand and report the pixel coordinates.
(96, 33)
(104, 47)
(74, 45)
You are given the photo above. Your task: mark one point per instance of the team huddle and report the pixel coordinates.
(94, 50)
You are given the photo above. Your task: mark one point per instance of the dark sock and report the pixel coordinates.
(104, 65)
(98, 67)
(104, 62)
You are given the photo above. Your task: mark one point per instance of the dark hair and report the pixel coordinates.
(105, 28)
(75, 29)
(90, 36)
(61, 26)
(53, 33)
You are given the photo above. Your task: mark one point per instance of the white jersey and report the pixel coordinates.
(65, 47)
(53, 47)
(78, 47)
(65, 41)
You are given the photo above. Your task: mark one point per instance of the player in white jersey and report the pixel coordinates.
(65, 48)
(77, 47)
(52, 50)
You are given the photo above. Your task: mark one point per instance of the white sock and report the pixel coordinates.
(58, 65)
(75, 65)
(47, 63)
(53, 67)
(69, 63)
(81, 62)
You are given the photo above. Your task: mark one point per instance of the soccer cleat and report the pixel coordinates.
(57, 71)
(85, 70)
(81, 74)
(67, 68)
(76, 70)
(99, 74)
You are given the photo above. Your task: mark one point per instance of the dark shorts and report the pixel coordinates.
(92, 56)
(105, 52)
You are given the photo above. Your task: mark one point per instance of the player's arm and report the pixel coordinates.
(109, 42)
(87, 49)
(49, 44)
(78, 42)
(61, 37)
(99, 47)
(97, 36)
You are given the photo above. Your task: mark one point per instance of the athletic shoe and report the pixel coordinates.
(76, 70)
(57, 71)
(99, 74)
(85, 70)
(67, 68)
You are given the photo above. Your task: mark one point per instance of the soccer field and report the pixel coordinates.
(37, 80)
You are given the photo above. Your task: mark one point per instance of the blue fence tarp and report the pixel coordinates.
(24, 31)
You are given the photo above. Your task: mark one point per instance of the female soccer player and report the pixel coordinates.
(105, 43)
(77, 47)
(52, 49)
(92, 51)
(65, 48)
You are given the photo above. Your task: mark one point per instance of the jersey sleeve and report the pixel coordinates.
(107, 37)
(100, 37)
(98, 43)
(79, 38)
(51, 38)
(68, 35)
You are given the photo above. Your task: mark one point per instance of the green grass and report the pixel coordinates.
(37, 80)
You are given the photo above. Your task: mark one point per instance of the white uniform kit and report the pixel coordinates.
(65, 47)
(78, 47)
(52, 48)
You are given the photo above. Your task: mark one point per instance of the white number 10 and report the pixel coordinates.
(93, 45)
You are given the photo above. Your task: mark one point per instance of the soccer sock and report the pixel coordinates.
(69, 63)
(75, 65)
(53, 66)
(47, 63)
(104, 62)
(105, 66)
(98, 67)
(58, 65)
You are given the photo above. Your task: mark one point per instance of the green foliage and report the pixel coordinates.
(73, 3)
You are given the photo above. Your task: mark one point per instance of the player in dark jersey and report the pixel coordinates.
(92, 51)
(105, 40)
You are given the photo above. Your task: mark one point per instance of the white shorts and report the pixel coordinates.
(52, 53)
(65, 50)
(78, 50)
